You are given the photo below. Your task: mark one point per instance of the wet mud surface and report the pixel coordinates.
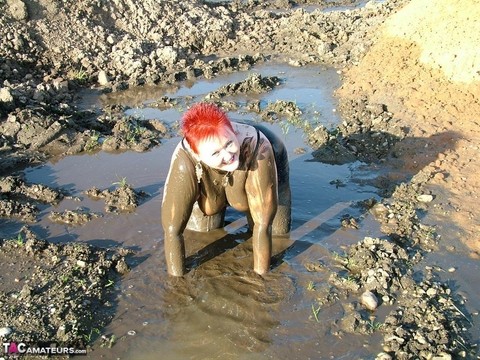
(372, 276)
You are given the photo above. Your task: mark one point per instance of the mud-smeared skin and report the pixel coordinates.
(252, 188)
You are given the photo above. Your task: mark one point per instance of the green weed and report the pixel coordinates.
(315, 312)
(93, 141)
(108, 341)
(80, 75)
(122, 183)
(311, 286)
(374, 325)
(19, 239)
(91, 335)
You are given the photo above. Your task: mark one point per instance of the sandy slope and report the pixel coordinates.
(425, 66)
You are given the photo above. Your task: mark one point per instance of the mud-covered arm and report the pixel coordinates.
(261, 187)
(179, 194)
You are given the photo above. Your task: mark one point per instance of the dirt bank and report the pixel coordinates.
(425, 66)
(409, 103)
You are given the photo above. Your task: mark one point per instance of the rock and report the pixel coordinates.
(5, 331)
(324, 48)
(379, 210)
(122, 267)
(431, 292)
(103, 79)
(60, 84)
(5, 95)
(383, 356)
(26, 292)
(158, 126)
(442, 356)
(17, 9)
(167, 55)
(425, 198)
(61, 332)
(369, 300)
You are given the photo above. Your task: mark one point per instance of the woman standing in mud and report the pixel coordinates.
(220, 163)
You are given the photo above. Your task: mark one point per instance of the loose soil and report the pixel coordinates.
(409, 102)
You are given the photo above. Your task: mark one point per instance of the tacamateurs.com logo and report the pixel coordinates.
(20, 348)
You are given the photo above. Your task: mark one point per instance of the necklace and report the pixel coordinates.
(226, 179)
(199, 172)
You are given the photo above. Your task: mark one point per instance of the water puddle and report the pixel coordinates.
(221, 309)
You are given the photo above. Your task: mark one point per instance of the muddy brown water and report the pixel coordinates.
(221, 309)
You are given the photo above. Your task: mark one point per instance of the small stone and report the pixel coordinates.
(103, 79)
(5, 331)
(425, 198)
(81, 263)
(442, 356)
(431, 292)
(60, 84)
(132, 332)
(122, 267)
(61, 331)
(383, 356)
(420, 339)
(452, 269)
(369, 300)
(26, 292)
(18, 10)
(439, 176)
(5, 95)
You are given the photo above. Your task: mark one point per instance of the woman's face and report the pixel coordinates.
(220, 152)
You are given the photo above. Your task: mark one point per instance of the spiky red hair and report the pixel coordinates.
(203, 120)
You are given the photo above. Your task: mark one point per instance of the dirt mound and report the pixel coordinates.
(425, 66)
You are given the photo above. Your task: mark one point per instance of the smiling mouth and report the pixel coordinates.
(230, 161)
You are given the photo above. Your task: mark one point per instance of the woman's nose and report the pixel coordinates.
(226, 155)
